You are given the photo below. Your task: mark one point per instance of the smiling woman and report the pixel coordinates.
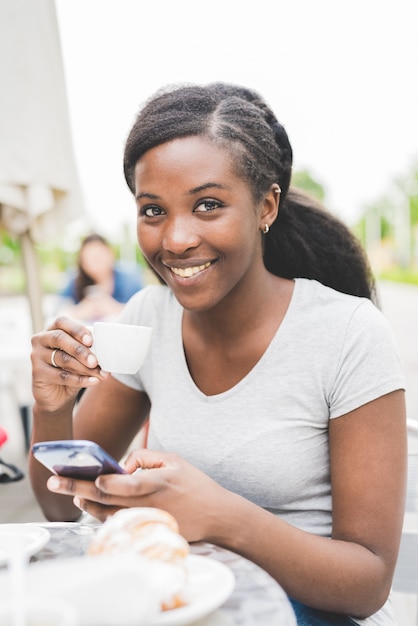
(202, 221)
(269, 374)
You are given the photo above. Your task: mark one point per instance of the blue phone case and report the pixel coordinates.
(76, 458)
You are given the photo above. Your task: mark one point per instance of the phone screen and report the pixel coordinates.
(79, 459)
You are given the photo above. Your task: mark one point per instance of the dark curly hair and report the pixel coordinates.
(232, 117)
(305, 240)
(83, 279)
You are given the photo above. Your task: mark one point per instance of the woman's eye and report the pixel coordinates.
(207, 205)
(151, 211)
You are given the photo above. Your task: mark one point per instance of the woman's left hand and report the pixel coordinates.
(163, 480)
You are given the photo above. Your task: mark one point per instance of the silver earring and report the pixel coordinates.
(266, 229)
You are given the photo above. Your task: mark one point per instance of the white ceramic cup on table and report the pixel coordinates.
(120, 348)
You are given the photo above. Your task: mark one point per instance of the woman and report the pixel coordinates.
(276, 403)
(100, 288)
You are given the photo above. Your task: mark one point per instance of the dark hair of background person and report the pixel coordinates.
(305, 241)
(83, 279)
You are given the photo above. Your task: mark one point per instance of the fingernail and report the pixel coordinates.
(91, 360)
(86, 339)
(76, 501)
(53, 483)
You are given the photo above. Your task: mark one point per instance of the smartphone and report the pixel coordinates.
(76, 458)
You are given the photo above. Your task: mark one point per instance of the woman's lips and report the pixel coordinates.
(188, 272)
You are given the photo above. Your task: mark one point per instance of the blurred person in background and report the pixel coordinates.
(100, 288)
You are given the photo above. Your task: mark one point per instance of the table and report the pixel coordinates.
(257, 599)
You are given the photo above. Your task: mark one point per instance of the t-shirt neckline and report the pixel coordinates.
(257, 367)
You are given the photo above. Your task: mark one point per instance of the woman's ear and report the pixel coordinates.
(270, 207)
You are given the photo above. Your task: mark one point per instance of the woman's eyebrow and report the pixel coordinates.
(200, 188)
(207, 186)
(145, 194)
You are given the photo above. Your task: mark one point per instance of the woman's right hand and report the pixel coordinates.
(62, 364)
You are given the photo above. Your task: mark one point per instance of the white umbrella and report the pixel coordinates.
(39, 188)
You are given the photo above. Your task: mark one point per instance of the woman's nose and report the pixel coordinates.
(180, 234)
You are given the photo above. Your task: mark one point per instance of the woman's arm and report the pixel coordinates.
(349, 573)
(352, 573)
(109, 412)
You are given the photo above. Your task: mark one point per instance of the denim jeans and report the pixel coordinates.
(306, 616)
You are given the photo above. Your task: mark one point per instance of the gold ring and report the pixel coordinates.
(53, 357)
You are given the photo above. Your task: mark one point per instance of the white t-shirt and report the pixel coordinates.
(266, 438)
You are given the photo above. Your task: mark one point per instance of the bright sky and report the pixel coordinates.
(340, 76)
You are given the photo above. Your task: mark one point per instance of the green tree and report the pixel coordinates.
(393, 219)
(413, 194)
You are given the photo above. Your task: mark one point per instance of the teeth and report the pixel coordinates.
(187, 272)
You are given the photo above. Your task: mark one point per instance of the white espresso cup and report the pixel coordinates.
(120, 348)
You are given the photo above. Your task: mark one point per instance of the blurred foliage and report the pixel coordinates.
(403, 189)
(400, 275)
(381, 210)
(413, 196)
(388, 229)
(303, 180)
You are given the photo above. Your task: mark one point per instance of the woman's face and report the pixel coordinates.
(198, 224)
(97, 260)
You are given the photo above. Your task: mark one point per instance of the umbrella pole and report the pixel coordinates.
(33, 281)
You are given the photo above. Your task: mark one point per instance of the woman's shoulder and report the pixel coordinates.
(327, 307)
(318, 293)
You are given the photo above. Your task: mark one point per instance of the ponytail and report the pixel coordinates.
(306, 241)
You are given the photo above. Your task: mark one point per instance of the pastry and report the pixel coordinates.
(152, 534)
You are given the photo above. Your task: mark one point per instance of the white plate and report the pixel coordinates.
(209, 584)
(33, 538)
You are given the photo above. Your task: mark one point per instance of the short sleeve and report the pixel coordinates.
(369, 365)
